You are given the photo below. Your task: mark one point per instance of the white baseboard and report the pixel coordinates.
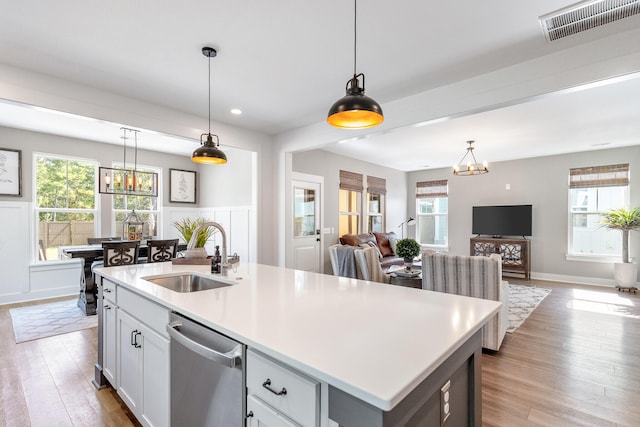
(581, 280)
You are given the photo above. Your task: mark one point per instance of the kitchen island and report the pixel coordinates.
(381, 353)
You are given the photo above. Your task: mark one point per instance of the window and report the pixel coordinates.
(432, 207)
(349, 205)
(376, 190)
(592, 191)
(65, 202)
(145, 206)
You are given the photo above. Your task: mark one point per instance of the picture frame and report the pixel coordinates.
(10, 172)
(182, 186)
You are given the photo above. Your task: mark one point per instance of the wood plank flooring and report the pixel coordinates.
(47, 382)
(574, 362)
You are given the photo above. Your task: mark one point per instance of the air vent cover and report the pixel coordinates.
(585, 16)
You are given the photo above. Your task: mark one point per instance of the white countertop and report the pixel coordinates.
(374, 341)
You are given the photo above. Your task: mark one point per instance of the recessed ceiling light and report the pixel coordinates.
(236, 111)
(601, 144)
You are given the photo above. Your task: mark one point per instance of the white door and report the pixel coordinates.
(306, 226)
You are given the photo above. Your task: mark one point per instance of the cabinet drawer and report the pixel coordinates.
(109, 291)
(148, 312)
(262, 415)
(266, 378)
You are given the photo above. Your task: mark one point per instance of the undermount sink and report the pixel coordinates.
(186, 282)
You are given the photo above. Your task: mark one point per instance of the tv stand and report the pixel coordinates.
(514, 253)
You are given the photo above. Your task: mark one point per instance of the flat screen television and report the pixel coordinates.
(498, 221)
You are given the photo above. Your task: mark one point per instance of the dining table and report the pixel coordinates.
(88, 296)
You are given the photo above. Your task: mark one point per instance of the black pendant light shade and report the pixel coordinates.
(208, 153)
(355, 110)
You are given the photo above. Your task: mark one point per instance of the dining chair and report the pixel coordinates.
(368, 265)
(120, 253)
(161, 250)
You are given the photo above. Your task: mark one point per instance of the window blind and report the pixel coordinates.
(376, 185)
(599, 176)
(431, 189)
(351, 181)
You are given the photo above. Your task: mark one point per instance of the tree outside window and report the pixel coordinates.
(65, 202)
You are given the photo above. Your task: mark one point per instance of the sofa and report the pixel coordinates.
(383, 242)
(473, 276)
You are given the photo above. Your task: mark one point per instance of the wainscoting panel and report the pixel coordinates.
(15, 236)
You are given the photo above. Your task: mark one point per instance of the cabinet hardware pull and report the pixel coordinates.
(135, 339)
(250, 414)
(267, 385)
(107, 290)
(107, 307)
(132, 339)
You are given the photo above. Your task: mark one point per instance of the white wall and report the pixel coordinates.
(542, 182)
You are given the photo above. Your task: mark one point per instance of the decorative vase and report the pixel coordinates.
(408, 263)
(196, 253)
(625, 274)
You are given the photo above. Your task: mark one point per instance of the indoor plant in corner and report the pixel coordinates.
(625, 273)
(186, 227)
(407, 249)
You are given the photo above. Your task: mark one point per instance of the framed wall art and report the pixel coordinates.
(182, 186)
(10, 172)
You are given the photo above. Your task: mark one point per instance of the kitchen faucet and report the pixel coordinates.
(194, 237)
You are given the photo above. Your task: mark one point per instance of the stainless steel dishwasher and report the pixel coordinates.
(207, 376)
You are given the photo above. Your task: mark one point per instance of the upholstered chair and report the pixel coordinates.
(161, 250)
(368, 265)
(472, 276)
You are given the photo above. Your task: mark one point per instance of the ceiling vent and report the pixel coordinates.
(586, 15)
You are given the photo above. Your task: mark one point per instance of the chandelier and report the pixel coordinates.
(471, 168)
(128, 181)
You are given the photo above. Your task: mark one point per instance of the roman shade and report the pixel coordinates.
(426, 189)
(351, 181)
(599, 176)
(376, 185)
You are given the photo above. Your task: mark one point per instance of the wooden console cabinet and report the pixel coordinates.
(514, 252)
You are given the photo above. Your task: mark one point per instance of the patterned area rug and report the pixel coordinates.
(46, 320)
(522, 301)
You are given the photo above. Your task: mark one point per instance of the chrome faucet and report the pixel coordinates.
(194, 238)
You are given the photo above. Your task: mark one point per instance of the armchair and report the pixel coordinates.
(473, 276)
(368, 265)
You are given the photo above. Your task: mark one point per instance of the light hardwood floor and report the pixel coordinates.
(575, 361)
(47, 382)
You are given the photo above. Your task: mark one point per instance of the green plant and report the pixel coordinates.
(187, 226)
(407, 248)
(625, 220)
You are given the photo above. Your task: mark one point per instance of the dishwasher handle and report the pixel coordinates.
(229, 359)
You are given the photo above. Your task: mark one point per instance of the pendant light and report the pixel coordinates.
(208, 152)
(470, 168)
(355, 110)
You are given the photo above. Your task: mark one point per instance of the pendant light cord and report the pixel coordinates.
(209, 95)
(355, 35)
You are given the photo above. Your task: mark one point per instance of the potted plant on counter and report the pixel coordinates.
(187, 226)
(625, 273)
(407, 249)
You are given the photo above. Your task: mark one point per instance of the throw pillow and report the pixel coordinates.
(383, 244)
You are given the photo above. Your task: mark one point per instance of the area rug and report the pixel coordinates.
(45, 320)
(522, 301)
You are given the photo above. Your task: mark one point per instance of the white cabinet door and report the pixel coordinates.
(262, 415)
(155, 378)
(128, 371)
(109, 342)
